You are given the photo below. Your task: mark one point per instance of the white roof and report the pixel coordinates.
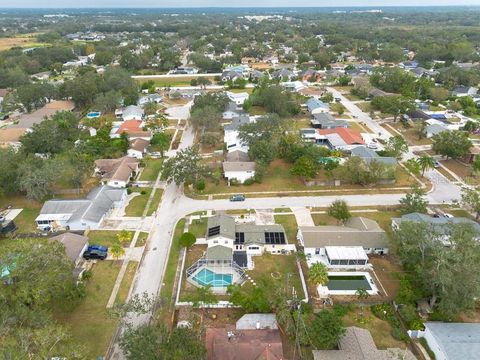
(346, 253)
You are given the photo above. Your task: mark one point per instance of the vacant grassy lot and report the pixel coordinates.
(89, 324)
(290, 225)
(21, 41)
(105, 237)
(174, 80)
(380, 329)
(365, 106)
(277, 179)
(411, 134)
(151, 170)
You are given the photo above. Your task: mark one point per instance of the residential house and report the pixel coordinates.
(80, 214)
(231, 138)
(409, 65)
(316, 106)
(256, 75)
(375, 92)
(230, 75)
(74, 245)
(343, 246)
(358, 344)
(461, 91)
(151, 98)
(339, 138)
(247, 344)
(133, 129)
(434, 129)
(294, 86)
(237, 98)
(311, 75)
(138, 148)
(327, 121)
(42, 76)
(284, 74)
(231, 111)
(368, 155)
(132, 112)
(440, 225)
(117, 172)
(238, 166)
(452, 341)
(185, 70)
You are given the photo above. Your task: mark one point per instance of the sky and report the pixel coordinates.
(223, 3)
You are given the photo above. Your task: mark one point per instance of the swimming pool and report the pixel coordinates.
(348, 282)
(207, 277)
(94, 114)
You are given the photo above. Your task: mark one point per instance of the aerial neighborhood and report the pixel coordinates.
(240, 184)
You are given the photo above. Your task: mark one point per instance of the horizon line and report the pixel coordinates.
(246, 7)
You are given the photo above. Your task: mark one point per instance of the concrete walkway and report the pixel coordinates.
(303, 216)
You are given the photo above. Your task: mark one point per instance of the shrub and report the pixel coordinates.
(187, 239)
(397, 333)
(143, 192)
(248, 182)
(200, 185)
(129, 191)
(340, 310)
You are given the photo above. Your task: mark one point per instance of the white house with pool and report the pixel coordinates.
(230, 248)
(343, 247)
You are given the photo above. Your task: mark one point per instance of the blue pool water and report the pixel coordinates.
(93, 114)
(206, 277)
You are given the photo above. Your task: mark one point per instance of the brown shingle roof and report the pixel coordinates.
(139, 144)
(73, 244)
(117, 169)
(245, 345)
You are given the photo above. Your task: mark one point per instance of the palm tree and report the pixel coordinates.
(318, 274)
(117, 250)
(426, 162)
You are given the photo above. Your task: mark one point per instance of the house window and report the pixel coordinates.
(253, 248)
(215, 241)
(317, 251)
(225, 242)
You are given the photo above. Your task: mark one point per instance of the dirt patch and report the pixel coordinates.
(387, 270)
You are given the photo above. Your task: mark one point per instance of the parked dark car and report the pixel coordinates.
(94, 254)
(238, 197)
(98, 247)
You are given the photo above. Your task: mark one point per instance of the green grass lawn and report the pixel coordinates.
(89, 324)
(151, 170)
(257, 110)
(126, 281)
(142, 239)
(25, 221)
(380, 329)
(170, 271)
(136, 206)
(290, 225)
(174, 80)
(155, 201)
(198, 227)
(104, 237)
(285, 265)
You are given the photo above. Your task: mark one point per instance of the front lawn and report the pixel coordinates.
(151, 170)
(126, 282)
(105, 237)
(136, 206)
(290, 225)
(410, 134)
(89, 324)
(461, 170)
(198, 227)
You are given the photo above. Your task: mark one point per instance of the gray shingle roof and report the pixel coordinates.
(441, 225)
(459, 341)
(369, 155)
(219, 252)
(237, 122)
(356, 232)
